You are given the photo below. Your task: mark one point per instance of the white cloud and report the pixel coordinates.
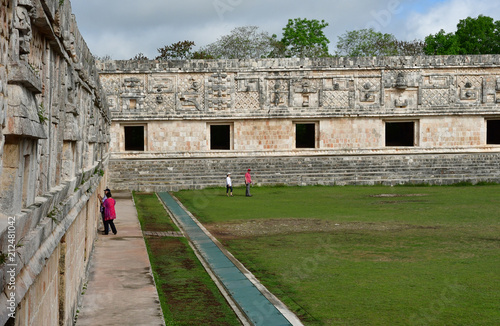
(123, 28)
(446, 15)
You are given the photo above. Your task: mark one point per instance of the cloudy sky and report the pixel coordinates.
(124, 28)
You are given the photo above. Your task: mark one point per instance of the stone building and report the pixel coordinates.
(54, 140)
(388, 120)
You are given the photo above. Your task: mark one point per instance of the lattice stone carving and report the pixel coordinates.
(247, 100)
(160, 102)
(335, 99)
(435, 97)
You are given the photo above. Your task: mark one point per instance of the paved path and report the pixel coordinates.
(252, 298)
(120, 289)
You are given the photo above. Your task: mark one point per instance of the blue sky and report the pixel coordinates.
(123, 28)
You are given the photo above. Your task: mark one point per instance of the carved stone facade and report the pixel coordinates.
(54, 139)
(351, 107)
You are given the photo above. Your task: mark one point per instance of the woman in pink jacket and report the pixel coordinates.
(109, 214)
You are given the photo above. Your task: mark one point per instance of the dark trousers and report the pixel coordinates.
(107, 224)
(248, 190)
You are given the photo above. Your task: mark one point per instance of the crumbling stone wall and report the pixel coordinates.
(436, 105)
(53, 159)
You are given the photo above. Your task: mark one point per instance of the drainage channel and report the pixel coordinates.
(244, 292)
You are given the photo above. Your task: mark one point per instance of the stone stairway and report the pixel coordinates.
(197, 173)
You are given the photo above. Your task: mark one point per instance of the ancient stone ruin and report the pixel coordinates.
(381, 120)
(53, 159)
(166, 125)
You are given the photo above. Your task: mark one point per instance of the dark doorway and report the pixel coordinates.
(400, 133)
(493, 132)
(220, 137)
(305, 135)
(134, 138)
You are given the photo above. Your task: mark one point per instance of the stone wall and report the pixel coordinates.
(54, 140)
(355, 107)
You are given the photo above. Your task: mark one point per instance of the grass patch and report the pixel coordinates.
(187, 294)
(366, 255)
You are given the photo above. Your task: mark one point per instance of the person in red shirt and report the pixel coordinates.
(248, 182)
(109, 214)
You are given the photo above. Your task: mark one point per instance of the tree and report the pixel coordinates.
(201, 55)
(479, 35)
(366, 42)
(441, 43)
(179, 50)
(415, 47)
(241, 43)
(140, 56)
(305, 38)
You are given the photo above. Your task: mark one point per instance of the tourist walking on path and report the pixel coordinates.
(229, 185)
(109, 214)
(101, 201)
(248, 182)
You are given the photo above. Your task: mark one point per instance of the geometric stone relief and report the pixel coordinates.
(398, 98)
(191, 93)
(305, 92)
(401, 89)
(369, 90)
(335, 99)
(132, 93)
(437, 81)
(218, 89)
(160, 93)
(132, 85)
(278, 92)
(247, 101)
(159, 102)
(335, 93)
(469, 88)
(111, 84)
(435, 97)
(160, 84)
(247, 95)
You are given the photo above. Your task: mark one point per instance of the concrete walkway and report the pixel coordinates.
(259, 306)
(120, 289)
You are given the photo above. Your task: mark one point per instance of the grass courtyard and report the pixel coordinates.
(366, 255)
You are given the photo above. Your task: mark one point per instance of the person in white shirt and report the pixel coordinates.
(229, 185)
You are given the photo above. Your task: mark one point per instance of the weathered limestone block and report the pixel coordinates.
(24, 114)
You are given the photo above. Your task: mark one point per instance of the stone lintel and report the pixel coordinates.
(20, 73)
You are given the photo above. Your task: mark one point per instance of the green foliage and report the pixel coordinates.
(305, 38)
(179, 50)
(140, 56)
(241, 43)
(441, 43)
(366, 42)
(201, 55)
(479, 35)
(42, 114)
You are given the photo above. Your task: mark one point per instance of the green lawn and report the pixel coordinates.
(367, 255)
(187, 294)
